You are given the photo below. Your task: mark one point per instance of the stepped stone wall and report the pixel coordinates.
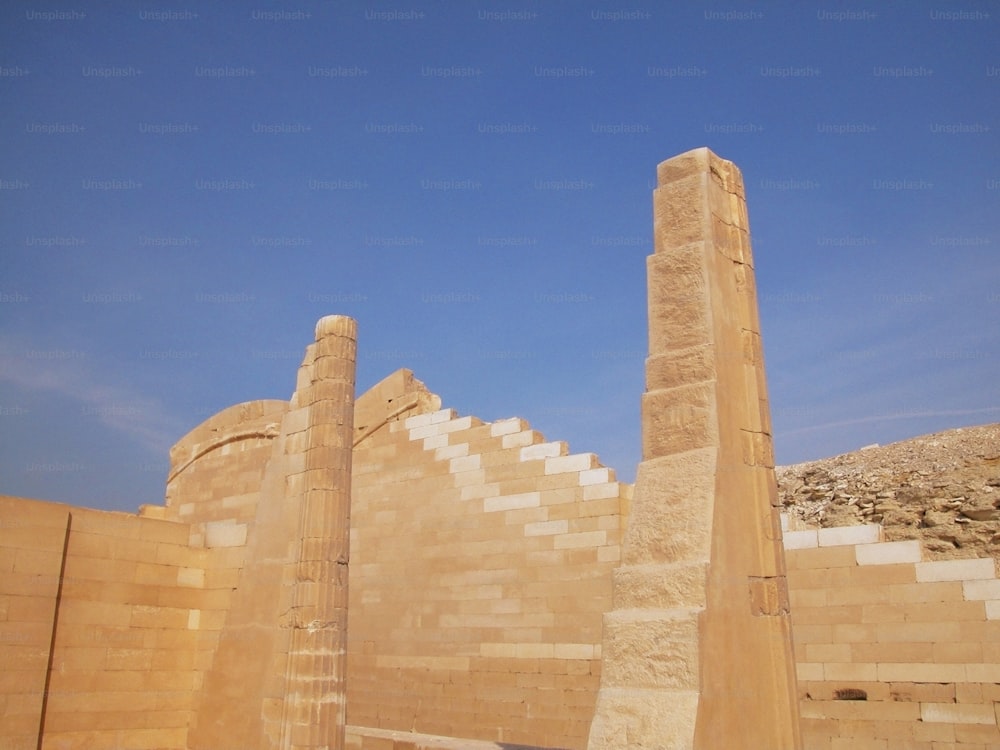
(503, 592)
(109, 623)
(894, 651)
(481, 569)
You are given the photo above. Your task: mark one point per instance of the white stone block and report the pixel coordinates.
(434, 442)
(546, 528)
(957, 713)
(839, 536)
(450, 451)
(465, 463)
(225, 534)
(595, 476)
(956, 570)
(887, 553)
(191, 577)
(434, 417)
(440, 428)
(542, 450)
(988, 588)
(505, 427)
(922, 672)
(800, 539)
(518, 439)
(784, 521)
(194, 619)
(601, 491)
(510, 502)
(563, 464)
(993, 613)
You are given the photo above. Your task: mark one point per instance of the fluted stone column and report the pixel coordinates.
(314, 715)
(697, 652)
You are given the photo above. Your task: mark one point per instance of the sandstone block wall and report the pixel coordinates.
(32, 546)
(481, 567)
(109, 623)
(893, 651)
(697, 652)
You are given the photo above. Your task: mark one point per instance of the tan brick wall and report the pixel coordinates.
(131, 613)
(216, 469)
(893, 651)
(481, 568)
(481, 560)
(32, 538)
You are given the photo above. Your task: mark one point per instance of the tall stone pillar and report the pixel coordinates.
(697, 652)
(315, 701)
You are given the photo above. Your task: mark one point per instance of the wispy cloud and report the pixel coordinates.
(70, 375)
(986, 411)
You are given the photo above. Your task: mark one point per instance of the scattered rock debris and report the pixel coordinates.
(943, 489)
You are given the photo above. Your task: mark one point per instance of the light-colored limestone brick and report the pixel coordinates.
(840, 535)
(885, 553)
(956, 570)
(542, 450)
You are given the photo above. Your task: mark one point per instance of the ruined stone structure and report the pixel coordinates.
(698, 651)
(503, 590)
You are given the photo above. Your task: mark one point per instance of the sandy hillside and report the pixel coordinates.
(943, 489)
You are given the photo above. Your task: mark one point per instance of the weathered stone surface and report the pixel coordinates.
(705, 496)
(941, 489)
(660, 585)
(282, 649)
(667, 520)
(651, 648)
(315, 711)
(644, 719)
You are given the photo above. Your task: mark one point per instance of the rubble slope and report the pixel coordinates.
(943, 489)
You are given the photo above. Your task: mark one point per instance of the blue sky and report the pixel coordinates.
(186, 188)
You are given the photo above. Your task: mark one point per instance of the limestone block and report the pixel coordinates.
(805, 539)
(671, 515)
(225, 534)
(651, 648)
(981, 589)
(688, 164)
(680, 216)
(575, 463)
(838, 535)
(602, 491)
(885, 553)
(596, 476)
(678, 300)
(680, 366)
(660, 586)
(507, 427)
(679, 419)
(435, 417)
(543, 450)
(643, 719)
(956, 570)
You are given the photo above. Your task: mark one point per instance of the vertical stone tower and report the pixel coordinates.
(697, 651)
(278, 678)
(315, 701)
